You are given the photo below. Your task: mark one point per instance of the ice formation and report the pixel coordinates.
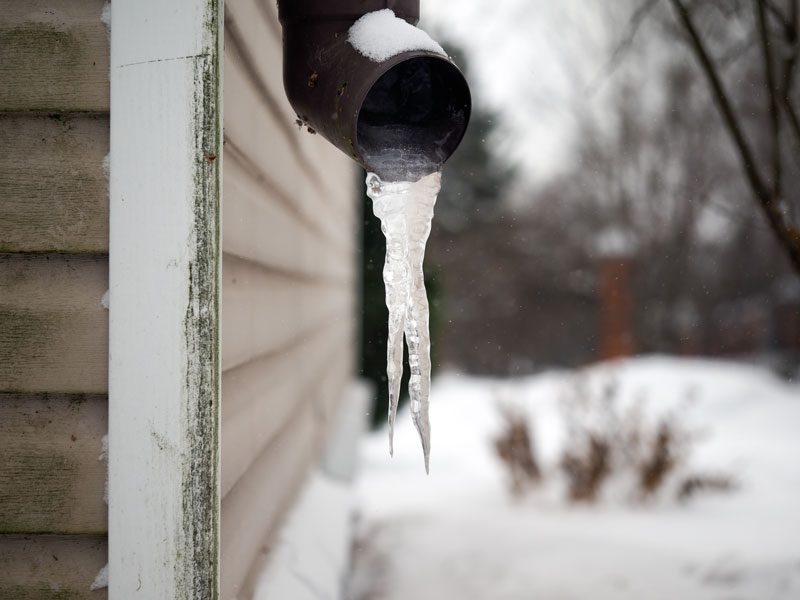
(405, 210)
(379, 35)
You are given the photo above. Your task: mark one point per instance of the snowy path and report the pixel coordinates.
(458, 535)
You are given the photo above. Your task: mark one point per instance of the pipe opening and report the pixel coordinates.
(413, 118)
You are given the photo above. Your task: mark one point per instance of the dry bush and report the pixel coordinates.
(691, 485)
(592, 424)
(606, 439)
(661, 454)
(659, 462)
(586, 469)
(516, 451)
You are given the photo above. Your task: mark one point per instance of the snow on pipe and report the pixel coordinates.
(361, 74)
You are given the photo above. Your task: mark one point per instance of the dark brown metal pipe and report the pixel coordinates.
(414, 102)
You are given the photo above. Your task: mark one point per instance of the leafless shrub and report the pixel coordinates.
(592, 425)
(660, 461)
(693, 484)
(606, 439)
(586, 469)
(515, 449)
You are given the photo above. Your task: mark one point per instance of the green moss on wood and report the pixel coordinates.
(34, 43)
(40, 592)
(200, 547)
(47, 67)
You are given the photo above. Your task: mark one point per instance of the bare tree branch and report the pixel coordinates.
(774, 117)
(794, 120)
(635, 22)
(776, 12)
(788, 237)
(789, 64)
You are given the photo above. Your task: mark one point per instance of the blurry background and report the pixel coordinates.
(596, 150)
(604, 206)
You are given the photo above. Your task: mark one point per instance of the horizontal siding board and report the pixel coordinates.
(251, 127)
(263, 311)
(260, 397)
(254, 46)
(253, 510)
(54, 56)
(244, 384)
(256, 22)
(52, 472)
(54, 189)
(264, 228)
(47, 567)
(256, 505)
(332, 393)
(53, 327)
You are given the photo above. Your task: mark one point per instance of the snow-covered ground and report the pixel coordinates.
(457, 534)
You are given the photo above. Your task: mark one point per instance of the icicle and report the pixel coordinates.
(389, 208)
(406, 210)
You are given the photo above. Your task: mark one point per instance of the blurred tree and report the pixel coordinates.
(755, 43)
(475, 177)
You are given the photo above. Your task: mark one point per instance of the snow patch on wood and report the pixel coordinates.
(100, 580)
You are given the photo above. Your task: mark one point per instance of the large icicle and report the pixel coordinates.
(388, 203)
(406, 210)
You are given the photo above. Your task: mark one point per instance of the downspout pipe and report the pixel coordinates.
(415, 103)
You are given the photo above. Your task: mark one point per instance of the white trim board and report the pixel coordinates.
(165, 169)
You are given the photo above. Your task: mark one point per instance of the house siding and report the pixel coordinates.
(54, 137)
(288, 293)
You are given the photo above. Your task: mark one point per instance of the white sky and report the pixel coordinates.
(534, 60)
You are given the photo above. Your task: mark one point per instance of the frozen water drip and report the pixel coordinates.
(405, 210)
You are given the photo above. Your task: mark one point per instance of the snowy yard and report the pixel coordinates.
(459, 534)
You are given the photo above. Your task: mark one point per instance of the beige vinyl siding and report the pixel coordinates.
(54, 189)
(288, 293)
(49, 567)
(54, 327)
(54, 56)
(53, 273)
(52, 451)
